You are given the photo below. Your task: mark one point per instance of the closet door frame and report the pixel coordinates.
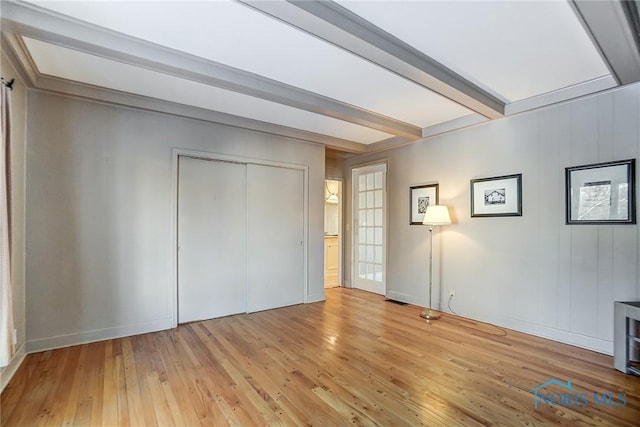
(175, 154)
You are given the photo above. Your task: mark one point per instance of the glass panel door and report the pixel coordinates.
(369, 189)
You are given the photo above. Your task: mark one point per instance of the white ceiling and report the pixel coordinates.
(396, 72)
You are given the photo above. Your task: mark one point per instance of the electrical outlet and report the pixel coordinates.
(452, 293)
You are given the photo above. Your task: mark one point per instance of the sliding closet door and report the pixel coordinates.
(275, 253)
(211, 239)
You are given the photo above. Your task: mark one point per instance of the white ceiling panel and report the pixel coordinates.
(238, 36)
(73, 65)
(515, 49)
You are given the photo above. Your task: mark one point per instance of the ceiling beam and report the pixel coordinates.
(611, 28)
(343, 28)
(122, 99)
(34, 22)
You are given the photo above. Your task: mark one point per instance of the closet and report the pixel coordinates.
(240, 238)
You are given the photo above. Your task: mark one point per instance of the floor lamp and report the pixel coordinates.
(435, 215)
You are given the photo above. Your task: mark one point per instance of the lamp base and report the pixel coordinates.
(430, 315)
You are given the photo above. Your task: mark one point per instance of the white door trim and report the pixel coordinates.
(175, 154)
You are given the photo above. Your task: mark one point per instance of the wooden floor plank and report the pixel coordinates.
(355, 359)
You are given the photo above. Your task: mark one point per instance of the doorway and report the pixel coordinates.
(332, 233)
(369, 228)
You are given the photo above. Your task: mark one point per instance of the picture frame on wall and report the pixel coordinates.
(421, 196)
(601, 193)
(496, 196)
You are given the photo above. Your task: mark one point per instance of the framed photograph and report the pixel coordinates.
(421, 196)
(497, 196)
(601, 193)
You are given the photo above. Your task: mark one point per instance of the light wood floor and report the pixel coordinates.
(352, 360)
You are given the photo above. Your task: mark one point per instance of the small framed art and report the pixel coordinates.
(421, 196)
(496, 196)
(601, 193)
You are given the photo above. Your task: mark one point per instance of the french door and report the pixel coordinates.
(369, 220)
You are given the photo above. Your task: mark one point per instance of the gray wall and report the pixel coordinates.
(99, 214)
(18, 147)
(532, 273)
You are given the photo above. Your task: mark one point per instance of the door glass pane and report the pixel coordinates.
(363, 200)
(370, 181)
(378, 180)
(362, 270)
(370, 235)
(370, 272)
(378, 254)
(362, 183)
(370, 201)
(378, 199)
(370, 254)
(370, 222)
(378, 236)
(378, 218)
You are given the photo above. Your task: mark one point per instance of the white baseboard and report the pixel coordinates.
(8, 371)
(401, 297)
(60, 341)
(566, 337)
(316, 297)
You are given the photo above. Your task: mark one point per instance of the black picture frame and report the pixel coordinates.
(496, 196)
(601, 193)
(421, 196)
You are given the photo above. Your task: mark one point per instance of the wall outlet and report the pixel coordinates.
(452, 293)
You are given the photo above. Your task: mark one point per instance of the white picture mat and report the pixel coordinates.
(510, 185)
(416, 194)
(617, 175)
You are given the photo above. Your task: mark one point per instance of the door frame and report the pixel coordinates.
(352, 213)
(205, 155)
(341, 239)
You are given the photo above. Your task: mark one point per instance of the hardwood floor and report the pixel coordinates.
(354, 359)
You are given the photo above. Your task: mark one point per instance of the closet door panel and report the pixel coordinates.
(211, 239)
(275, 253)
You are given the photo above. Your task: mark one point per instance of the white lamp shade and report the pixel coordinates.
(437, 215)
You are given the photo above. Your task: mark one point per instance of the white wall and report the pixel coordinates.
(99, 214)
(18, 147)
(532, 273)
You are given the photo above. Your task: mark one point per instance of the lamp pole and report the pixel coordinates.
(428, 313)
(434, 215)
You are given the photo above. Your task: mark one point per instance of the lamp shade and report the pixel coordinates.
(437, 215)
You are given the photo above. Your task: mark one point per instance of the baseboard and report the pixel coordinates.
(60, 341)
(9, 371)
(409, 299)
(584, 341)
(317, 297)
(566, 337)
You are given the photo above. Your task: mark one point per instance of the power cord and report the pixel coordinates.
(449, 305)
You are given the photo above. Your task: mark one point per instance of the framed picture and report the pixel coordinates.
(421, 196)
(601, 193)
(497, 196)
